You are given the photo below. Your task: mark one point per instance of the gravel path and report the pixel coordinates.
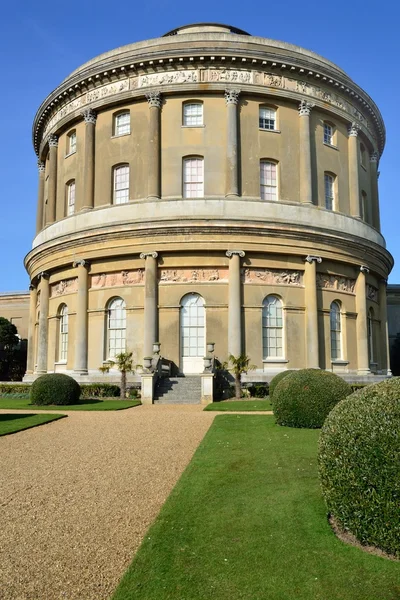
(77, 496)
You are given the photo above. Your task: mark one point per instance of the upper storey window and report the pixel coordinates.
(71, 142)
(267, 118)
(193, 177)
(193, 114)
(121, 185)
(329, 181)
(70, 198)
(122, 123)
(268, 180)
(363, 156)
(328, 134)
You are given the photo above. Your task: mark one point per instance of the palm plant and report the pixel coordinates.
(124, 364)
(240, 364)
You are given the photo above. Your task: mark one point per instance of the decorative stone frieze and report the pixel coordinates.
(66, 286)
(272, 276)
(372, 292)
(336, 282)
(182, 275)
(117, 279)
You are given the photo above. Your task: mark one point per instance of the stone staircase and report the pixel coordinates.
(178, 390)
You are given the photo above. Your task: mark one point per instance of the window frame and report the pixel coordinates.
(275, 163)
(370, 336)
(336, 331)
(115, 189)
(70, 193)
(71, 148)
(185, 105)
(266, 329)
(275, 119)
(63, 334)
(116, 126)
(363, 156)
(332, 137)
(333, 180)
(185, 183)
(114, 305)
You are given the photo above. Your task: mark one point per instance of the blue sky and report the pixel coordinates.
(41, 43)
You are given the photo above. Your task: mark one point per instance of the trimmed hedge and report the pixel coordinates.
(20, 389)
(305, 398)
(275, 380)
(359, 465)
(258, 390)
(55, 388)
(99, 390)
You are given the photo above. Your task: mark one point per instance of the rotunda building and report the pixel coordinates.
(208, 186)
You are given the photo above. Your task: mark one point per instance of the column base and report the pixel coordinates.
(80, 371)
(86, 208)
(233, 195)
(41, 372)
(363, 371)
(389, 373)
(153, 197)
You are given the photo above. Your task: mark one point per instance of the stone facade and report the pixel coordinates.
(200, 227)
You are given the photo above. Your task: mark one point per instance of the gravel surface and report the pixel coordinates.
(77, 496)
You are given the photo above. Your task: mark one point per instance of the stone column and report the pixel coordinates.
(81, 327)
(376, 220)
(40, 198)
(30, 359)
(311, 302)
(235, 303)
(354, 187)
(385, 350)
(43, 324)
(361, 323)
(150, 302)
(52, 183)
(305, 152)
(154, 169)
(232, 158)
(89, 117)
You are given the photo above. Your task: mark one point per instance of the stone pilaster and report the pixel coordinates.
(385, 350)
(354, 186)
(40, 197)
(311, 302)
(305, 152)
(154, 168)
(361, 324)
(30, 359)
(43, 330)
(81, 322)
(90, 118)
(376, 220)
(52, 182)
(235, 303)
(232, 157)
(150, 302)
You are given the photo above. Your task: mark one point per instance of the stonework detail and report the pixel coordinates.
(374, 158)
(336, 282)
(193, 275)
(41, 166)
(372, 293)
(117, 279)
(66, 286)
(89, 116)
(154, 99)
(272, 276)
(305, 108)
(53, 141)
(187, 76)
(232, 96)
(354, 129)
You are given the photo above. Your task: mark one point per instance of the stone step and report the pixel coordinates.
(178, 390)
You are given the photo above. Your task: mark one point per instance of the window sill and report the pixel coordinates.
(113, 137)
(339, 362)
(275, 360)
(70, 154)
(193, 126)
(332, 146)
(60, 362)
(269, 130)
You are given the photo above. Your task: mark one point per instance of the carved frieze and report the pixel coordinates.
(193, 275)
(372, 293)
(272, 276)
(117, 279)
(336, 282)
(189, 76)
(66, 286)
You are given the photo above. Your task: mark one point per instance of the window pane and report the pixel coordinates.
(122, 124)
(329, 193)
(71, 198)
(267, 118)
(193, 114)
(328, 134)
(268, 181)
(121, 185)
(63, 335)
(193, 178)
(116, 327)
(72, 143)
(272, 323)
(335, 325)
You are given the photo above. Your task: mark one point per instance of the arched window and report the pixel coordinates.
(329, 132)
(192, 333)
(116, 327)
(63, 334)
(329, 182)
(70, 197)
(272, 327)
(336, 331)
(268, 180)
(71, 148)
(192, 114)
(121, 184)
(370, 324)
(122, 123)
(267, 118)
(193, 177)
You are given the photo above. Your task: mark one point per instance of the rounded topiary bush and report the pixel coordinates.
(305, 398)
(275, 380)
(359, 465)
(55, 388)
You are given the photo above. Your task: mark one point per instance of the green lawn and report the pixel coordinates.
(10, 423)
(246, 521)
(95, 404)
(240, 405)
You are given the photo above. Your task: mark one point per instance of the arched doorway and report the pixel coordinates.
(192, 333)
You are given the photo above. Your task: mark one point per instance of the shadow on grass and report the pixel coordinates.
(11, 417)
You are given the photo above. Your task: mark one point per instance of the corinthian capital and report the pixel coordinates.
(41, 166)
(231, 253)
(53, 140)
(353, 129)
(232, 96)
(374, 157)
(146, 254)
(154, 99)
(305, 108)
(89, 116)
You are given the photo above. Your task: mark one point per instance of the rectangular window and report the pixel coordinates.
(272, 322)
(193, 114)
(328, 134)
(268, 181)
(336, 352)
(121, 185)
(63, 335)
(193, 178)
(329, 192)
(116, 328)
(122, 124)
(267, 118)
(71, 198)
(72, 142)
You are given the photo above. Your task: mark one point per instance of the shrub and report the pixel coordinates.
(275, 380)
(357, 386)
(55, 388)
(359, 458)
(258, 390)
(305, 398)
(20, 390)
(99, 390)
